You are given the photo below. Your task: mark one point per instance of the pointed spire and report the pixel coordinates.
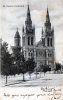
(47, 11)
(28, 14)
(28, 21)
(28, 11)
(47, 16)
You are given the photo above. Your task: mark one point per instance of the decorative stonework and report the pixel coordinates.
(43, 52)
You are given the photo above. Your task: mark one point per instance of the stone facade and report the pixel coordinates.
(28, 37)
(45, 47)
(43, 52)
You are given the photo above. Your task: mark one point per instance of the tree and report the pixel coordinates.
(6, 60)
(58, 67)
(30, 63)
(45, 68)
(22, 68)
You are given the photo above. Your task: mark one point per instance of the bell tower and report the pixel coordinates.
(17, 39)
(17, 47)
(49, 32)
(49, 40)
(28, 37)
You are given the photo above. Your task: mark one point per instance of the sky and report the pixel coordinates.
(13, 15)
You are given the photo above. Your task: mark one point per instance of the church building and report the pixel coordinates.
(28, 37)
(45, 47)
(43, 51)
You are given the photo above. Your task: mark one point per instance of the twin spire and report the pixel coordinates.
(29, 16)
(29, 19)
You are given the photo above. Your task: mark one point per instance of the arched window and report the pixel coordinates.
(47, 41)
(18, 41)
(43, 41)
(29, 54)
(29, 40)
(51, 42)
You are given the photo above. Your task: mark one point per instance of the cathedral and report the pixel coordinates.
(43, 51)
